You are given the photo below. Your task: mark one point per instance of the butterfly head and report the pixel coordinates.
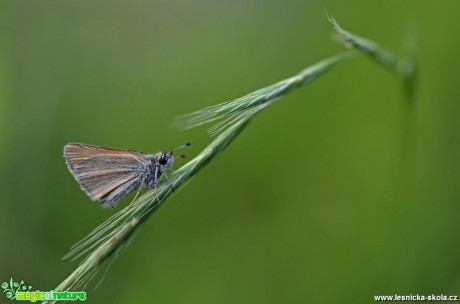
(166, 159)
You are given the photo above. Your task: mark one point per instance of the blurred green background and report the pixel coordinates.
(317, 201)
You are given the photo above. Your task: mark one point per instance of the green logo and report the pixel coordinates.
(10, 288)
(21, 291)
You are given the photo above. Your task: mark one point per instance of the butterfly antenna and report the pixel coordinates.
(182, 147)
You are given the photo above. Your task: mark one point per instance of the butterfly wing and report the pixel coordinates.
(105, 173)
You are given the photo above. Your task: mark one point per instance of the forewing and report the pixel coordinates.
(99, 171)
(76, 153)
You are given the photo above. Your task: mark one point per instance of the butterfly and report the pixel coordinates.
(109, 175)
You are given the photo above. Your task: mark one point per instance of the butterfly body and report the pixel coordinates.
(109, 175)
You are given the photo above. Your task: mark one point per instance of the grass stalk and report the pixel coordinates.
(107, 240)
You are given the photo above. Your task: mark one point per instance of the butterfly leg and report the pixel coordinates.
(156, 193)
(155, 185)
(137, 193)
(170, 182)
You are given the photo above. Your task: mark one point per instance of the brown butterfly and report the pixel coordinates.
(109, 175)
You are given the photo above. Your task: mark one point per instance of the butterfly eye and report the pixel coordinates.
(162, 160)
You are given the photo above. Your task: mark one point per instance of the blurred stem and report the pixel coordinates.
(404, 67)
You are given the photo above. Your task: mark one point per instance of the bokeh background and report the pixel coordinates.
(327, 197)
